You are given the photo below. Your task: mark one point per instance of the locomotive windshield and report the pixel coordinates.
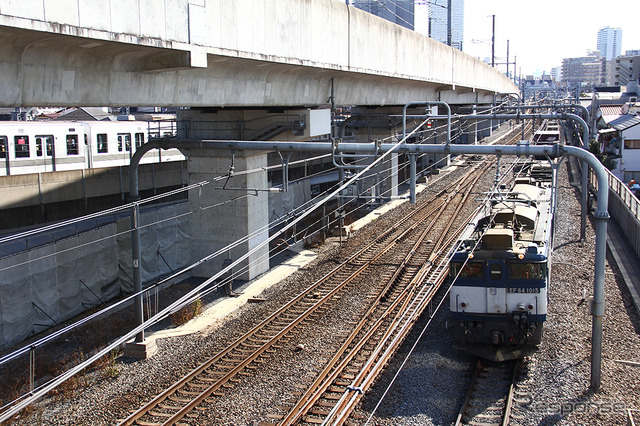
(469, 270)
(527, 271)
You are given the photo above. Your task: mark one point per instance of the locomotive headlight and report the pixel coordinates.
(521, 307)
(520, 256)
(470, 256)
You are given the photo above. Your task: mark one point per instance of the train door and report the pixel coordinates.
(496, 288)
(124, 143)
(45, 150)
(4, 154)
(88, 152)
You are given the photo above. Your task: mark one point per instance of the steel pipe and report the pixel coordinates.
(136, 250)
(520, 149)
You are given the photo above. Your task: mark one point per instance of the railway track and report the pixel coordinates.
(213, 377)
(408, 290)
(410, 260)
(490, 394)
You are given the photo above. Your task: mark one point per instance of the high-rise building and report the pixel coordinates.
(400, 12)
(583, 72)
(438, 19)
(610, 42)
(625, 69)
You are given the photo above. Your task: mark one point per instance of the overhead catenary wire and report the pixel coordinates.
(154, 198)
(182, 271)
(482, 204)
(222, 177)
(160, 315)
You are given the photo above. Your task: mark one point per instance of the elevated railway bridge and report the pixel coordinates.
(274, 71)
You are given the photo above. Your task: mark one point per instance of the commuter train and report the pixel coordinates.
(500, 272)
(47, 146)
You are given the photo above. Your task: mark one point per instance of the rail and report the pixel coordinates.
(624, 207)
(490, 394)
(213, 376)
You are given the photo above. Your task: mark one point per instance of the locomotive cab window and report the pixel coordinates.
(124, 140)
(527, 271)
(72, 145)
(103, 143)
(21, 144)
(469, 270)
(4, 146)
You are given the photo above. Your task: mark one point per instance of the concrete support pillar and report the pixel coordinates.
(374, 125)
(224, 216)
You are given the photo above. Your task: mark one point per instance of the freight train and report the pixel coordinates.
(47, 146)
(501, 269)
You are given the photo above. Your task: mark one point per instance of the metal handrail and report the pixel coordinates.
(621, 189)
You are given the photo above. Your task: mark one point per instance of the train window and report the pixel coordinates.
(50, 146)
(632, 144)
(21, 146)
(469, 270)
(72, 145)
(124, 139)
(139, 139)
(4, 146)
(102, 141)
(527, 271)
(495, 271)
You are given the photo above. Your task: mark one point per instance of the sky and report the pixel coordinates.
(543, 32)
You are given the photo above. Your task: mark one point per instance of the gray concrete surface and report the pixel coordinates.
(226, 53)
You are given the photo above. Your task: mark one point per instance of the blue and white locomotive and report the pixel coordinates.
(501, 269)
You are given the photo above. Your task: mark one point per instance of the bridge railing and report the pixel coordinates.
(624, 207)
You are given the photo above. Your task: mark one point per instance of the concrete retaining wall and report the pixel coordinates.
(54, 187)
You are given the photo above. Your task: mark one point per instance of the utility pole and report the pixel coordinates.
(506, 63)
(449, 23)
(493, 41)
(507, 58)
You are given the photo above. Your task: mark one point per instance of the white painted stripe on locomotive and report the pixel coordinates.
(480, 300)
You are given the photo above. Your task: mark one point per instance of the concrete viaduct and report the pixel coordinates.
(244, 53)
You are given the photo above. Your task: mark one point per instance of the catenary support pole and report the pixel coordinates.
(412, 178)
(412, 174)
(552, 151)
(136, 250)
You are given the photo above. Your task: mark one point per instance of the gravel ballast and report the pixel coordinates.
(555, 389)
(430, 387)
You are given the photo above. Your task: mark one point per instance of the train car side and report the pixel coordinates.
(36, 147)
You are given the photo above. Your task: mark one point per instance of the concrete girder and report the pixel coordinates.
(183, 53)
